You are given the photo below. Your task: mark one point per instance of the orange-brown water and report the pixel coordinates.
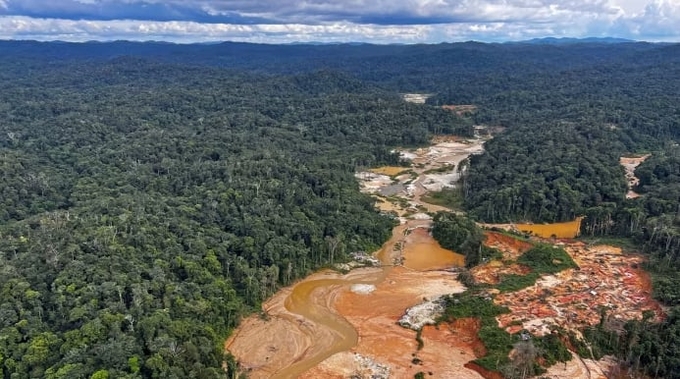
(388, 170)
(313, 322)
(569, 229)
(422, 253)
(301, 302)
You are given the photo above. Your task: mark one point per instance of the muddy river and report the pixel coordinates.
(318, 318)
(339, 325)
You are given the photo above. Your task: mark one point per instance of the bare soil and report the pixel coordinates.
(445, 350)
(460, 110)
(571, 299)
(321, 320)
(511, 247)
(329, 325)
(578, 368)
(629, 164)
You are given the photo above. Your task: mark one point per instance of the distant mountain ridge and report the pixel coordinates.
(569, 40)
(428, 64)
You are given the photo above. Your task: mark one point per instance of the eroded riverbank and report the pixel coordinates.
(335, 325)
(320, 319)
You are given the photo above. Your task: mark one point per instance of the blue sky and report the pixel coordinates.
(377, 21)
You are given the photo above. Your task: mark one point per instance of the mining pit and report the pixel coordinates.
(340, 325)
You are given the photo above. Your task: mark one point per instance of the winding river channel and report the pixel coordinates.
(307, 323)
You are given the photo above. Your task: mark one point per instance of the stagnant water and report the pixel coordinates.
(570, 229)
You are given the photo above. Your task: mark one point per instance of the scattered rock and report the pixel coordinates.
(369, 368)
(364, 258)
(421, 216)
(422, 314)
(408, 156)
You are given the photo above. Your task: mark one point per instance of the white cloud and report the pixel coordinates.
(377, 21)
(18, 27)
(659, 21)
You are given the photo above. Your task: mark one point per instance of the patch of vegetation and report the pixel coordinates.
(579, 345)
(542, 259)
(419, 338)
(497, 341)
(603, 341)
(414, 175)
(515, 282)
(466, 278)
(552, 349)
(545, 259)
(462, 235)
(532, 355)
(399, 201)
(451, 198)
(665, 284)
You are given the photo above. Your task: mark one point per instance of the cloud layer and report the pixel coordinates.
(378, 21)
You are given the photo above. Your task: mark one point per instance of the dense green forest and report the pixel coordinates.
(154, 193)
(652, 223)
(147, 206)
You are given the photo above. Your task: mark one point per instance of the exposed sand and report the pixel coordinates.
(416, 98)
(447, 151)
(332, 325)
(571, 298)
(350, 321)
(629, 164)
(578, 368)
(388, 343)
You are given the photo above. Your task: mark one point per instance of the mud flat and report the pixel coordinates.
(283, 343)
(387, 343)
(321, 317)
(332, 325)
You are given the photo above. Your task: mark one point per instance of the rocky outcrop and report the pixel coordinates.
(369, 369)
(422, 314)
